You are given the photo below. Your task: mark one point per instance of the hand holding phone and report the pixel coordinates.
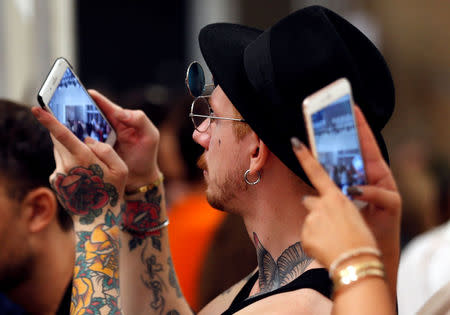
(382, 214)
(137, 141)
(333, 135)
(137, 137)
(63, 95)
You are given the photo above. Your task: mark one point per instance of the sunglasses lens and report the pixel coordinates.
(201, 107)
(195, 79)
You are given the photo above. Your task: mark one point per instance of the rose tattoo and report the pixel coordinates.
(140, 217)
(83, 192)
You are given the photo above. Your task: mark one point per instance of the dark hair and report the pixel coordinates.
(26, 154)
(189, 150)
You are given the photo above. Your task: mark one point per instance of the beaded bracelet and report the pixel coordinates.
(350, 254)
(147, 187)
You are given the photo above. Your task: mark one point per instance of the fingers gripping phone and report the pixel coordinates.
(333, 135)
(63, 95)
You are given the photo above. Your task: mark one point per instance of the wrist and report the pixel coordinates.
(143, 208)
(351, 255)
(144, 232)
(83, 222)
(355, 270)
(135, 182)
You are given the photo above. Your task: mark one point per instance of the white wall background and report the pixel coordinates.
(201, 13)
(33, 33)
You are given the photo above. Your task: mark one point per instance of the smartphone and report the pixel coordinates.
(333, 135)
(64, 96)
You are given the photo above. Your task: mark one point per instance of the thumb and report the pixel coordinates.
(137, 120)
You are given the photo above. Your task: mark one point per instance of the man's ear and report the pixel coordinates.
(41, 207)
(259, 154)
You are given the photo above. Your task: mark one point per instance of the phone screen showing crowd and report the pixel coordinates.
(73, 107)
(337, 144)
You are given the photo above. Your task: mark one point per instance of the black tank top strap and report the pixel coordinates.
(316, 279)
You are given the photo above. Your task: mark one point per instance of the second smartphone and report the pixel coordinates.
(333, 135)
(63, 95)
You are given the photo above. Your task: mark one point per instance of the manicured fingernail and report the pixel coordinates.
(296, 143)
(89, 140)
(354, 191)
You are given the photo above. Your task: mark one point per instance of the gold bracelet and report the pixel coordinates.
(361, 275)
(350, 254)
(351, 270)
(147, 187)
(353, 273)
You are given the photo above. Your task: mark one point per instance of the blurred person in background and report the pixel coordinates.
(177, 155)
(424, 264)
(36, 235)
(230, 243)
(411, 164)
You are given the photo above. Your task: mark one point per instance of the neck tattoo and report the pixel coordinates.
(290, 265)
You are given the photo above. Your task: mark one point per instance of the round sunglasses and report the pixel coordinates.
(201, 112)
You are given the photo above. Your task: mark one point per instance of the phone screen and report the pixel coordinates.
(72, 106)
(337, 144)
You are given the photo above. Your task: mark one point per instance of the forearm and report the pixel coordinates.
(367, 296)
(391, 261)
(391, 257)
(148, 281)
(360, 287)
(95, 280)
(93, 204)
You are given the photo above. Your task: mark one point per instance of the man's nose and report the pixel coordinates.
(201, 138)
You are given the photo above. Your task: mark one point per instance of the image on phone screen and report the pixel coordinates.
(337, 143)
(73, 107)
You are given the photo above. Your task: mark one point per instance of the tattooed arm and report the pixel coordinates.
(88, 181)
(92, 204)
(147, 278)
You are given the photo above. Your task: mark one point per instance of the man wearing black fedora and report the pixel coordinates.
(245, 126)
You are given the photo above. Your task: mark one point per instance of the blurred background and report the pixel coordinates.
(136, 53)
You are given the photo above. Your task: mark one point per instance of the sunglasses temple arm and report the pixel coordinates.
(208, 89)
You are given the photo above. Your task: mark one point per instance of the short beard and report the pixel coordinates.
(234, 183)
(14, 274)
(201, 163)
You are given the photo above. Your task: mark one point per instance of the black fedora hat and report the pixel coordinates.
(267, 74)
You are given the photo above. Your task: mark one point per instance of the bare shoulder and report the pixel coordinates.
(303, 301)
(223, 301)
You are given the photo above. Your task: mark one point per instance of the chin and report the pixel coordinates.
(222, 195)
(213, 201)
(221, 204)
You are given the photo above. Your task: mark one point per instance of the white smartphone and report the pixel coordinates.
(64, 96)
(333, 135)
